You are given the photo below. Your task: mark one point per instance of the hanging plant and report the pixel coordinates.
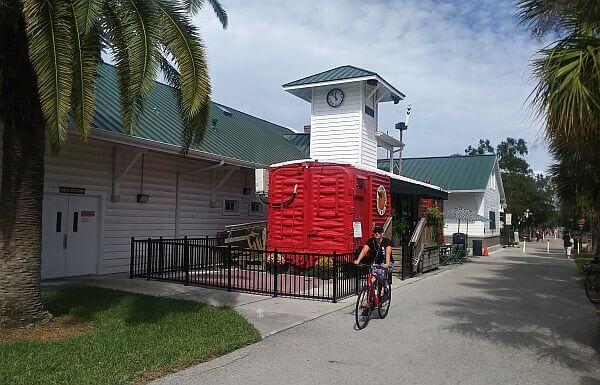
(435, 219)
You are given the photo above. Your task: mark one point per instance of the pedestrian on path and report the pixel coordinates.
(567, 243)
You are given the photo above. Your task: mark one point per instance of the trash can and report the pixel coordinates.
(459, 239)
(477, 247)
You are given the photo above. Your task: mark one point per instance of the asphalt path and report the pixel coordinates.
(510, 318)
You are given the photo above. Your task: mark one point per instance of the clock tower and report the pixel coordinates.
(344, 114)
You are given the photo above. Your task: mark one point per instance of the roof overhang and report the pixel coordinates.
(387, 141)
(398, 183)
(134, 141)
(304, 91)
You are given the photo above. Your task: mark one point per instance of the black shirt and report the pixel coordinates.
(377, 254)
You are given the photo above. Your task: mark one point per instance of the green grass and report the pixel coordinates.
(580, 260)
(134, 336)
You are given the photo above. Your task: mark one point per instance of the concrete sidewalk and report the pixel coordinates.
(268, 314)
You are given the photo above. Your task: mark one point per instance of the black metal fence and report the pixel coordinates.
(204, 262)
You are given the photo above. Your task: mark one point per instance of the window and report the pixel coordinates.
(231, 206)
(256, 208)
(492, 220)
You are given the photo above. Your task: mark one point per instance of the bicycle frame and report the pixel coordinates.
(373, 292)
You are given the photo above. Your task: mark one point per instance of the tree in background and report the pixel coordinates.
(522, 188)
(484, 147)
(48, 58)
(567, 97)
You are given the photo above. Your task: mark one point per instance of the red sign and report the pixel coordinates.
(581, 222)
(88, 213)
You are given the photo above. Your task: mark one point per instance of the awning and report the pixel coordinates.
(405, 187)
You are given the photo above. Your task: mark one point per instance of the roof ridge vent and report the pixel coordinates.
(225, 111)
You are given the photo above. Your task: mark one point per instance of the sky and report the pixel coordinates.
(463, 65)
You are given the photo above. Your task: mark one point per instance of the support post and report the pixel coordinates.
(524, 243)
(186, 259)
(131, 258)
(229, 268)
(334, 276)
(548, 249)
(275, 278)
(149, 260)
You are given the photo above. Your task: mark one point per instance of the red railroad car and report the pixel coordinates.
(322, 207)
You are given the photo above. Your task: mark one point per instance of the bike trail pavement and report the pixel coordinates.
(511, 318)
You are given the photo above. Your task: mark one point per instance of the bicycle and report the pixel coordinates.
(592, 281)
(373, 295)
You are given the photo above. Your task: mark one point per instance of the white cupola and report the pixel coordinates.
(344, 113)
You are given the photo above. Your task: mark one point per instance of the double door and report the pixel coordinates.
(69, 235)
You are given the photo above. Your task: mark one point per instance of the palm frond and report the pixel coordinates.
(561, 17)
(567, 94)
(114, 36)
(138, 28)
(48, 27)
(195, 6)
(86, 13)
(193, 127)
(86, 56)
(183, 42)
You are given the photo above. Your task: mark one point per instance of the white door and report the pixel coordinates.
(70, 231)
(82, 235)
(54, 233)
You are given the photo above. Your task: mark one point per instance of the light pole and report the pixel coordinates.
(506, 227)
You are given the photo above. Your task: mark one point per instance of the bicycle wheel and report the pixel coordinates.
(386, 300)
(363, 308)
(592, 288)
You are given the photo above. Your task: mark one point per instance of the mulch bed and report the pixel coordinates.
(61, 327)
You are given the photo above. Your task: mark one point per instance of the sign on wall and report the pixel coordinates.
(508, 219)
(381, 201)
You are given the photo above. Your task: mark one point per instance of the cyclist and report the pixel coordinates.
(379, 250)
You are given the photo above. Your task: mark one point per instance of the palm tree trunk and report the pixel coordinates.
(21, 189)
(20, 223)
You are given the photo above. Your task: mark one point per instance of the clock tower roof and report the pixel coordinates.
(343, 74)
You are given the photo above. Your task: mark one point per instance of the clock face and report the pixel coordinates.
(335, 97)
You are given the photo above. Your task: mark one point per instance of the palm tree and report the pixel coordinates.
(567, 95)
(49, 54)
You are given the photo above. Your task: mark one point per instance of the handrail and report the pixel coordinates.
(418, 231)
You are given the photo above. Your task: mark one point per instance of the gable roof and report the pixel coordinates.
(338, 73)
(301, 140)
(449, 172)
(235, 135)
(343, 74)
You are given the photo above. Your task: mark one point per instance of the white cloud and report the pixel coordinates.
(462, 64)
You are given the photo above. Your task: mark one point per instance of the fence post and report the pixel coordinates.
(149, 259)
(131, 264)
(356, 279)
(275, 264)
(229, 267)
(186, 260)
(161, 256)
(334, 277)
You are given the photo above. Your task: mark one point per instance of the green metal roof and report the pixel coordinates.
(300, 140)
(448, 172)
(339, 73)
(236, 134)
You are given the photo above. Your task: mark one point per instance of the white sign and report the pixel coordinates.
(381, 200)
(508, 219)
(357, 230)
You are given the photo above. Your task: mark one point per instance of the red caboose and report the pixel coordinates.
(321, 207)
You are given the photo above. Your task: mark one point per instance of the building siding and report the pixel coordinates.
(335, 132)
(492, 203)
(90, 166)
(469, 200)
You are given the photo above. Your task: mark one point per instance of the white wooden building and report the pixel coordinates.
(99, 194)
(473, 182)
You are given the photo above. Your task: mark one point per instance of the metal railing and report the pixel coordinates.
(203, 262)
